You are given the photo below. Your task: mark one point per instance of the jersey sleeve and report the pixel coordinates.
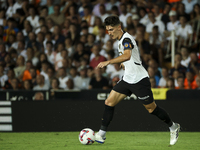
(127, 44)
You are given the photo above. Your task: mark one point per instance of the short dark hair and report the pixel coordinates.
(112, 21)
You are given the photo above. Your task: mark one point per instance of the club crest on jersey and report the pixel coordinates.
(119, 46)
(127, 45)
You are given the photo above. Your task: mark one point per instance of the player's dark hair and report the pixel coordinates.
(112, 21)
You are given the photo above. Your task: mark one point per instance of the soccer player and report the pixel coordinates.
(135, 80)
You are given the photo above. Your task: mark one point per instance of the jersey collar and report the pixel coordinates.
(122, 35)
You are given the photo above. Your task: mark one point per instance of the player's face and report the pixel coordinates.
(113, 32)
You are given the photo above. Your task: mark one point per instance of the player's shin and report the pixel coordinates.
(107, 117)
(162, 115)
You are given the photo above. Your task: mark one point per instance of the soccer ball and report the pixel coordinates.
(87, 136)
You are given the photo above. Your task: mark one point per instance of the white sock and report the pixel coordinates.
(173, 127)
(102, 133)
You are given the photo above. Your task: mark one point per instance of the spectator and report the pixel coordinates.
(57, 17)
(38, 96)
(33, 74)
(82, 82)
(163, 80)
(51, 54)
(31, 56)
(157, 12)
(153, 82)
(143, 45)
(97, 24)
(32, 42)
(44, 12)
(184, 31)
(19, 70)
(55, 84)
(88, 16)
(70, 85)
(2, 17)
(3, 76)
(135, 20)
(166, 11)
(3, 52)
(27, 29)
(177, 65)
(185, 56)
(27, 85)
(90, 72)
(11, 75)
(98, 58)
(51, 74)
(194, 63)
(181, 11)
(10, 28)
(45, 65)
(170, 83)
(124, 14)
(103, 13)
(175, 76)
(144, 19)
(63, 78)
(19, 37)
(41, 85)
(189, 81)
(9, 11)
(196, 12)
(90, 43)
(69, 47)
(73, 74)
(50, 24)
(8, 63)
(15, 84)
(189, 5)
(33, 18)
(180, 82)
(27, 73)
(102, 37)
(72, 13)
(65, 27)
(173, 24)
(11, 40)
(48, 38)
(115, 11)
(79, 52)
(21, 49)
(152, 74)
(73, 34)
(153, 22)
(98, 82)
(54, 87)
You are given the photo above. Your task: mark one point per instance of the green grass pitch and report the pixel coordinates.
(115, 141)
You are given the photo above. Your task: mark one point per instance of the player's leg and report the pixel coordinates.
(145, 95)
(113, 99)
(153, 109)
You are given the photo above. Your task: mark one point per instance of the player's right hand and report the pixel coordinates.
(103, 64)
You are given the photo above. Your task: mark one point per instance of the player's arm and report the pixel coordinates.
(124, 57)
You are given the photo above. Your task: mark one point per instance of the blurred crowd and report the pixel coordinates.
(57, 44)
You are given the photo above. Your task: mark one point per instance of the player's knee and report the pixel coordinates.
(150, 110)
(109, 103)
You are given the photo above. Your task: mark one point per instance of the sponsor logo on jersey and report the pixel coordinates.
(143, 98)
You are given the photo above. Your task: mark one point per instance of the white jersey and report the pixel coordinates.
(134, 71)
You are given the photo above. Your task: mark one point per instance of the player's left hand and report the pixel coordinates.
(103, 64)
